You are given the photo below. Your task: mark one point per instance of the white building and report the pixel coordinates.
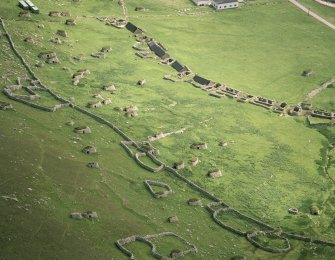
(202, 2)
(224, 4)
(218, 4)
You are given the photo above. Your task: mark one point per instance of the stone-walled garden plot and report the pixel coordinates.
(151, 240)
(233, 221)
(269, 241)
(35, 96)
(158, 189)
(144, 154)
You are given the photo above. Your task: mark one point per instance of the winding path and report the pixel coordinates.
(316, 91)
(309, 12)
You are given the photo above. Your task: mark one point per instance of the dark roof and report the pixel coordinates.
(131, 27)
(177, 66)
(159, 51)
(225, 1)
(201, 80)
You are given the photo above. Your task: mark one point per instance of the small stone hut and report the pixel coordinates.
(55, 14)
(47, 55)
(94, 104)
(315, 210)
(76, 215)
(62, 33)
(173, 219)
(307, 73)
(89, 150)
(131, 111)
(70, 22)
(179, 165)
(94, 165)
(141, 82)
(90, 214)
(82, 130)
(56, 40)
(6, 106)
(140, 9)
(194, 202)
(110, 87)
(97, 95)
(215, 173)
(293, 211)
(52, 60)
(194, 161)
(107, 101)
(106, 49)
(199, 146)
(70, 123)
(29, 39)
(99, 55)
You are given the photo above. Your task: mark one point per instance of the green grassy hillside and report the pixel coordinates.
(270, 163)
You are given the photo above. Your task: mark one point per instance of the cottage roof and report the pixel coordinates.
(201, 80)
(177, 66)
(29, 3)
(225, 1)
(131, 27)
(158, 50)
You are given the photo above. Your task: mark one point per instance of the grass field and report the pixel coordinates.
(270, 164)
(326, 12)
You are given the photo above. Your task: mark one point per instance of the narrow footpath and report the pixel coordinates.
(309, 12)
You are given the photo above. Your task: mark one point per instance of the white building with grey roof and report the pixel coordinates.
(218, 4)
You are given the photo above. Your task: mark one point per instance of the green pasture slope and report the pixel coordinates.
(270, 163)
(326, 12)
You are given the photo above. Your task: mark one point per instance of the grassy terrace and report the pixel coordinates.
(270, 164)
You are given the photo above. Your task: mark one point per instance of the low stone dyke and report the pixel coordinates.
(193, 185)
(219, 222)
(59, 106)
(150, 183)
(28, 103)
(125, 146)
(267, 248)
(147, 239)
(308, 239)
(101, 120)
(138, 155)
(330, 123)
